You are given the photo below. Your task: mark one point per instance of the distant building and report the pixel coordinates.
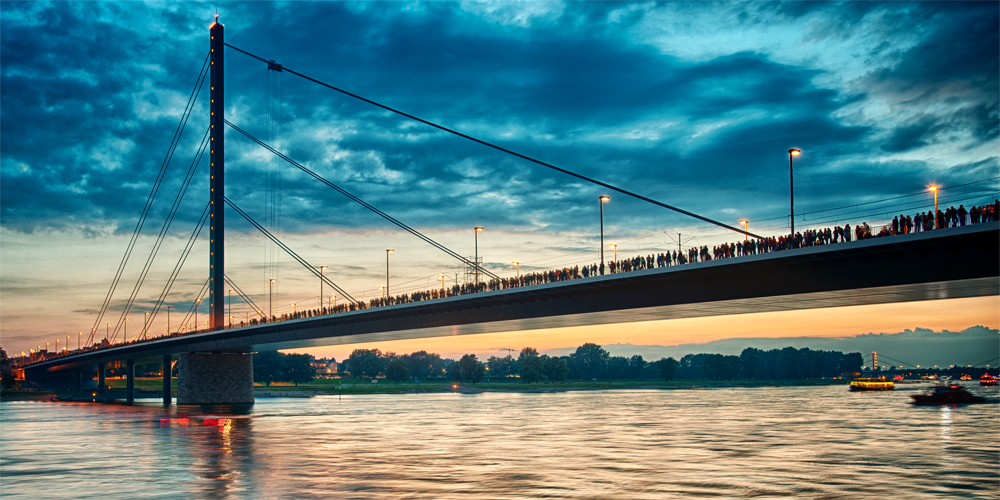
(325, 368)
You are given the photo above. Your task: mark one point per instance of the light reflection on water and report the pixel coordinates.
(768, 442)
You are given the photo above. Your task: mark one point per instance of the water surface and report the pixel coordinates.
(807, 442)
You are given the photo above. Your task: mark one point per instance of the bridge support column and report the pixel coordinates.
(101, 383)
(130, 381)
(215, 378)
(167, 396)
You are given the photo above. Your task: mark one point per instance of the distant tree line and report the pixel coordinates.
(777, 364)
(588, 362)
(273, 366)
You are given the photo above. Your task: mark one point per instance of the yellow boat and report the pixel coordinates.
(872, 384)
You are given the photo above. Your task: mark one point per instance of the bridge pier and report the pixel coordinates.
(167, 396)
(130, 381)
(101, 383)
(215, 378)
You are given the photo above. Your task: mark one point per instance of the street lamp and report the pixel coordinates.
(78, 336)
(746, 225)
(792, 153)
(934, 189)
(197, 302)
(333, 301)
(442, 283)
(321, 269)
(125, 335)
(516, 275)
(602, 199)
(615, 247)
(67, 344)
(145, 320)
(387, 252)
(230, 311)
(382, 289)
(168, 318)
(107, 330)
(293, 307)
(270, 300)
(478, 229)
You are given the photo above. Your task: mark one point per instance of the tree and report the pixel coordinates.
(556, 369)
(268, 366)
(617, 367)
(636, 366)
(299, 369)
(471, 369)
(666, 368)
(365, 363)
(590, 360)
(530, 366)
(397, 370)
(452, 370)
(504, 367)
(750, 362)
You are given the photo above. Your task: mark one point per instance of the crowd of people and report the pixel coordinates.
(901, 224)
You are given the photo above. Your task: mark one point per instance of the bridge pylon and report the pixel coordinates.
(217, 184)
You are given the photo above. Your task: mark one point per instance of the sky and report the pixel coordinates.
(693, 104)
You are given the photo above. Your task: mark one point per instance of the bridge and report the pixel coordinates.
(215, 365)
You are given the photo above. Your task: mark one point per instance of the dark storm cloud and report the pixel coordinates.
(89, 110)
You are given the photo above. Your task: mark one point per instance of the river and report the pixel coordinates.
(806, 442)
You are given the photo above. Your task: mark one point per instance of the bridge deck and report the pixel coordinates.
(950, 263)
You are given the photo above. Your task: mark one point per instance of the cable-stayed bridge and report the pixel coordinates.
(215, 365)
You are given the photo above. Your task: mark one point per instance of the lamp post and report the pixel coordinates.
(66, 347)
(270, 300)
(57, 346)
(168, 318)
(934, 189)
(78, 336)
(107, 331)
(333, 302)
(145, 321)
(382, 289)
(792, 153)
(478, 229)
(387, 252)
(615, 248)
(602, 199)
(746, 224)
(293, 307)
(125, 334)
(230, 311)
(321, 269)
(197, 302)
(517, 272)
(441, 276)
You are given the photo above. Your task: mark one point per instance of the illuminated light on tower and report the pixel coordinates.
(875, 359)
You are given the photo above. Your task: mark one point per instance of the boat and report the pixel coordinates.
(988, 379)
(872, 384)
(897, 378)
(947, 395)
(965, 377)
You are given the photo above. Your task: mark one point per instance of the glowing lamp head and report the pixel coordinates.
(605, 198)
(273, 280)
(389, 250)
(744, 221)
(478, 229)
(932, 187)
(612, 245)
(794, 152)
